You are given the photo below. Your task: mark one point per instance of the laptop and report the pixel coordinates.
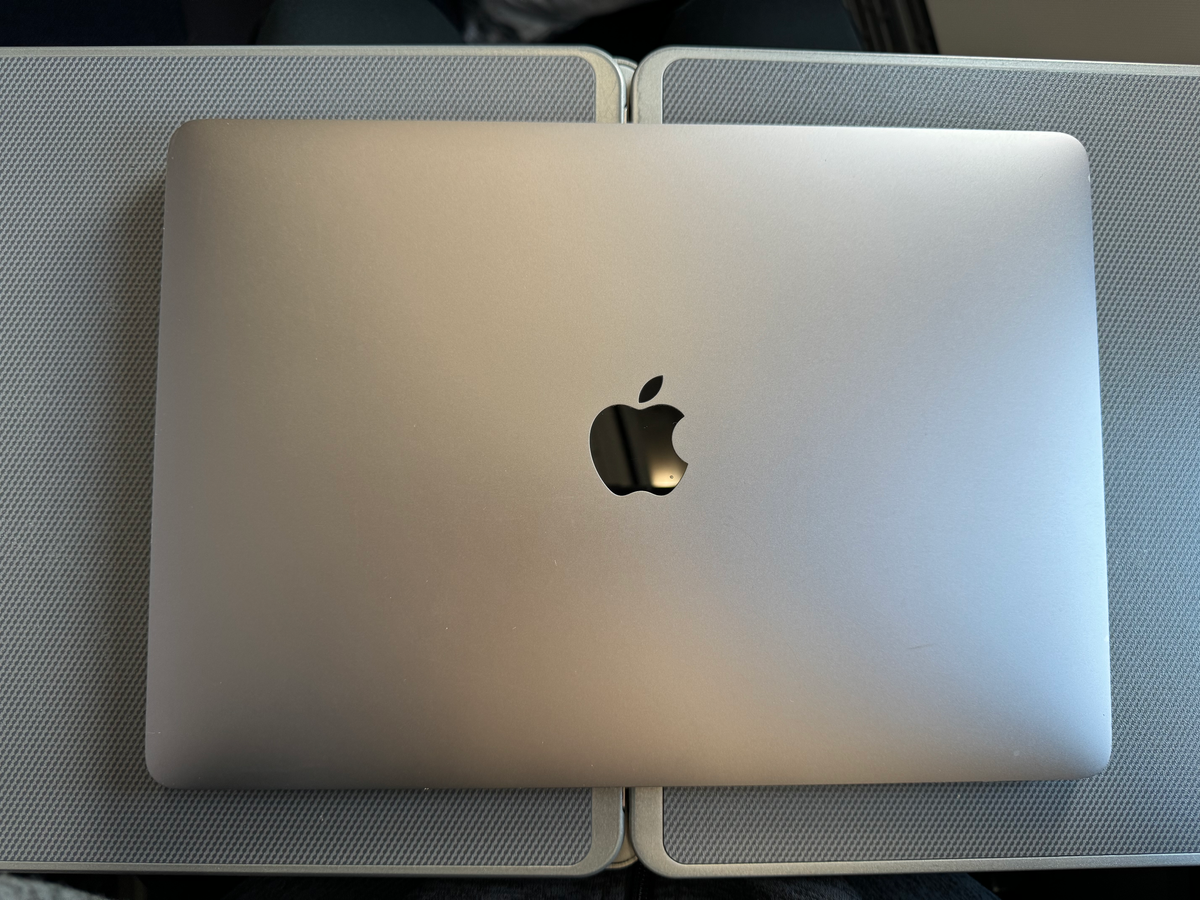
(536, 455)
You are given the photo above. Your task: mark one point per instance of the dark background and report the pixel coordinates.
(635, 883)
(884, 25)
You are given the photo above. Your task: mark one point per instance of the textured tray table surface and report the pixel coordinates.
(1141, 127)
(83, 141)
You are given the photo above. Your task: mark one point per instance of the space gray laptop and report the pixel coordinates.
(573, 455)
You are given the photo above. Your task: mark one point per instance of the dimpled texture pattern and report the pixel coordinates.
(83, 143)
(1141, 133)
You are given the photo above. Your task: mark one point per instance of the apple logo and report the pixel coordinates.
(632, 449)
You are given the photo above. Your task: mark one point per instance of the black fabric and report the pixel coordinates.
(90, 23)
(633, 32)
(356, 22)
(784, 24)
(632, 883)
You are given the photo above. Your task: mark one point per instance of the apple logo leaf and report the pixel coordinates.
(651, 388)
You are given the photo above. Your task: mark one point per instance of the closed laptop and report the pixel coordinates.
(497, 455)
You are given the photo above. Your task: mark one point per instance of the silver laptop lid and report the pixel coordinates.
(383, 554)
